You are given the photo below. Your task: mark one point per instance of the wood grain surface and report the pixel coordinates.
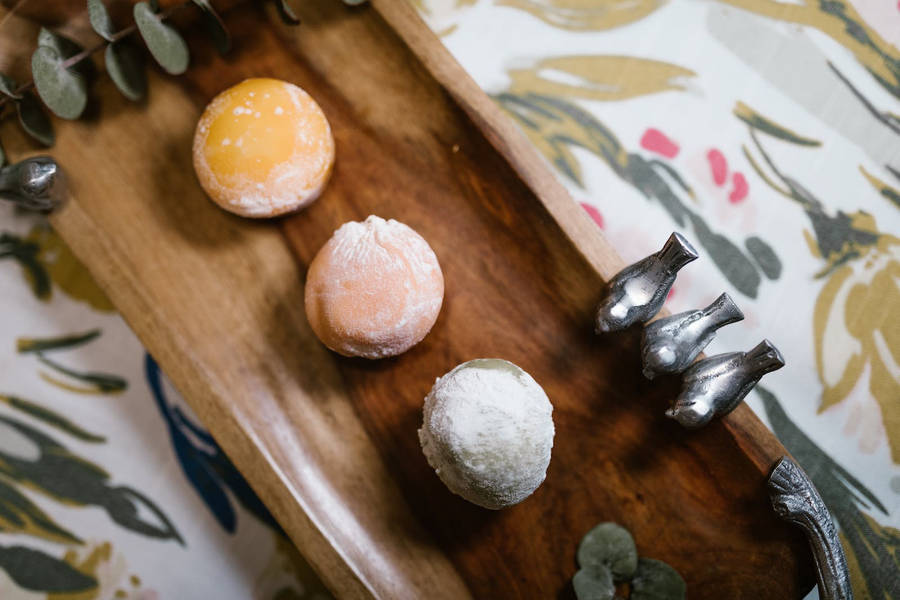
(330, 443)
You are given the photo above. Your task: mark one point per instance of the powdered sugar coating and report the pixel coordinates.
(374, 289)
(488, 432)
(279, 146)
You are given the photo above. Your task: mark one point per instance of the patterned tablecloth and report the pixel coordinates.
(768, 132)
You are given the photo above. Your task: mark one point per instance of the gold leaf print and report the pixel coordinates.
(598, 77)
(554, 126)
(585, 15)
(840, 21)
(66, 271)
(438, 12)
(430, 6)
(104, 564)
(756, 120)
(892, 194)
(855, 323)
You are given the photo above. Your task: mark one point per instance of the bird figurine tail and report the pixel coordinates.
(763, 358)
(723, 311)
(676, 253)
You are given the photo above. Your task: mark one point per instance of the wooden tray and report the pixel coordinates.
(330, 443)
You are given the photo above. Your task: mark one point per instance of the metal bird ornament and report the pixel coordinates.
(638, 291)
(715, 386)
(670, 345)
(33, 184)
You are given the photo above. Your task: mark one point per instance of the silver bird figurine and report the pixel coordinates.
(715, 386)
(35, 183)
(670, 345)
(638, 291)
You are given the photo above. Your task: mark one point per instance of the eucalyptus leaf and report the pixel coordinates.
(125, 65)
(214, 27)
(64, 91)
(154, 5)
(8, 86)
(100, 19)
(34, 120)
(165, 43)
(594, 583)
(287, 14)
(655, 580)
(610, 545)
(66, 48)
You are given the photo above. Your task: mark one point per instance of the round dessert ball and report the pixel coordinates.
(263, 148)
(374, 289)
(488, 431)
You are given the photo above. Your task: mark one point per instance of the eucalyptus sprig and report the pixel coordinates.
(61, 68)
(608, 556)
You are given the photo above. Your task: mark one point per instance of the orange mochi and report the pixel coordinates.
(374, 289)
(263, 148)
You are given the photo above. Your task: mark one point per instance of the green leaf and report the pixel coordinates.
(610, 545)
(655, 580)
(125, 65)
(25, 253)
(39, 572)
(103, 382)
(52, 418)
(34, 120)
(594, 583)
(64, 91)
(764, 256)
(214, 27)
(758, 121)
(165, 43)
(18, 514)
(100, 20)
(287, 14)
(8, 86)
(66, 48)
(24, 345)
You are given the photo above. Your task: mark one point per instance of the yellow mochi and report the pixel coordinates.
(263, 148)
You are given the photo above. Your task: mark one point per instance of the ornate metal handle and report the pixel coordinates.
(33, 184)
(796, 500)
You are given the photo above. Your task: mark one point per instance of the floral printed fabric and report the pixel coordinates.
(767, 132)
(109, 487)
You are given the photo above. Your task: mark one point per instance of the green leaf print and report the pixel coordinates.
(18, 514)
(24, 345)
(555, 125)
(39, 572)
(31, 458)
(51, 418)
(26, 254)
(103, 383)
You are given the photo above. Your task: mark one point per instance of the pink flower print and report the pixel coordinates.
(740, 189)
(718, 165)
(594, 213)
(656, 141)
